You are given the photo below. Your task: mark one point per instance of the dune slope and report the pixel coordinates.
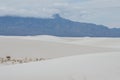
(82, 67)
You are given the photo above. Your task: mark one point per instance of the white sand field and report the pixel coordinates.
(71, 58)
(53, 47)
(83, 67)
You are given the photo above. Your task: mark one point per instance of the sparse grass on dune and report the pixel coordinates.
(8, 60)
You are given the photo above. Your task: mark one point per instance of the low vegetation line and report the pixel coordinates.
(9, 60)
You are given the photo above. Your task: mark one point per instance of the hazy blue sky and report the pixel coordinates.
(106, 12)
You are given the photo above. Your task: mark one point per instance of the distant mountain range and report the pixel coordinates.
(57, 26)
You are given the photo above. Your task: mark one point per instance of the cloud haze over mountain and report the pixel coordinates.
(104, 12)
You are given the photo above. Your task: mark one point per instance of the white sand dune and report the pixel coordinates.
(54, 47)
(81, 67)
(89, 58)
